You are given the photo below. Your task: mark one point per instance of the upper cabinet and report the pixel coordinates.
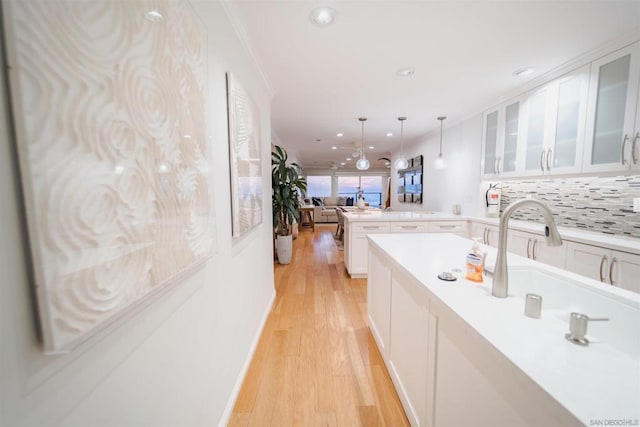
(613, 130)
(555, 117)
(587, 121)
(501, 139)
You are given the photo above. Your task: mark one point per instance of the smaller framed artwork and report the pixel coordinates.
(244, 158)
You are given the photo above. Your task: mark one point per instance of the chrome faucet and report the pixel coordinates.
(500, 276)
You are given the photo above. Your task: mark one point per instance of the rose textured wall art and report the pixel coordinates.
(110, 118)
(244, 153)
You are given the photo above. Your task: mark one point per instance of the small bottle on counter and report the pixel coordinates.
(475, 263)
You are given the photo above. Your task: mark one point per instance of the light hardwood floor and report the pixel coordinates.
(316, 363)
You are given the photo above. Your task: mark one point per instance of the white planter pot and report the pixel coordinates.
(284, 248)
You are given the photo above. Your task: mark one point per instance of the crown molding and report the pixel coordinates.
(235, 18)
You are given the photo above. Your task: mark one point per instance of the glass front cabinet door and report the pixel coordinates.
(501, 139)
(554, 127)
(612, 128)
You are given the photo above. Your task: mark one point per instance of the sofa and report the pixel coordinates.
(325, 208)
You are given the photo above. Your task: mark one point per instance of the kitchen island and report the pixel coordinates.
(458, 356)
(358, 224)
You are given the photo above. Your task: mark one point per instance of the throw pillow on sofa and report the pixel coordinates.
(317, 201)
(330, 201)
(342, 201)
(349, 201)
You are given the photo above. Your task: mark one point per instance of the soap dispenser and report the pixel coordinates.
(475, 263)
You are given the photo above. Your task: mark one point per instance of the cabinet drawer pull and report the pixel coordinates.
(549, 159)
(534, 250)
(614, 260)
(634, 157)
(623, 161)
(409, 227)
(542, 160)
(602, 261)
(447, 227)
(371, 227)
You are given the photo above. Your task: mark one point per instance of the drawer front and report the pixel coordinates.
(457, 227)
(371, 227)
(409, 227)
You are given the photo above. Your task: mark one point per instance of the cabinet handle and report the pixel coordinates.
(408, 227)
(633, 148)
(623, 161)
(549, 159)
(484, 236)
(602, 261)
(534, 249)
(495, 166)
(542, 160)
(498, 163)
(528, 245)
(488, 241)
(614, 260)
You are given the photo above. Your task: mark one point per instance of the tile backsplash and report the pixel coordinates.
(600, 204)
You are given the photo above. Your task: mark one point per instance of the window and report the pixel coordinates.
(318, 186)
(371, 186)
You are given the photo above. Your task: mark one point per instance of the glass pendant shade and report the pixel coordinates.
(362, 163)
(440, 163)
(401, 162)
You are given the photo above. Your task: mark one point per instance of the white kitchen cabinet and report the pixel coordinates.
(611, 117)
(608, 266)
(358, 245)
(409, 227)
(378, 297)
(555, 117)
(488, 234)
(408, 351)
(460, 228)
(534, 246)
(501, 139)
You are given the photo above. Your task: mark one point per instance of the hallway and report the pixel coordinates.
(316, 363)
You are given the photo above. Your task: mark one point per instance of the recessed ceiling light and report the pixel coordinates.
(334, 148)
(343, 163)
(154, 16)
(389, 134)
(339, 135)
(348, 159)
(322, 16)
(387, 163)
(523, 72)
(406, 72)
(371, 147)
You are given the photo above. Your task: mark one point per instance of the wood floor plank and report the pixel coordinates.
(316, 362)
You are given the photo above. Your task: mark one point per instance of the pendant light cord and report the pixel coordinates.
(441, 118)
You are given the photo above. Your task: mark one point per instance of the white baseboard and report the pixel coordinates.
(224, 419)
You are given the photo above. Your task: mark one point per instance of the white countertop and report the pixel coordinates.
(594, 382)
(620, 243)
(379, 215)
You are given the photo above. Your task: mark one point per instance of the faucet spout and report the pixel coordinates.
(500, 286)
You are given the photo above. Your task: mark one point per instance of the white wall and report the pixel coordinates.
(176, 362)
(458, 183)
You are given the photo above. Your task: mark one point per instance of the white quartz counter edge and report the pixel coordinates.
(591, 382)
(625, 244)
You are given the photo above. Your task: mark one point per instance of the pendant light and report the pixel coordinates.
(362, 163)
(401, 162)
(440, 163)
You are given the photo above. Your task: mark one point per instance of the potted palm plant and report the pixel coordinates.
(288, 186)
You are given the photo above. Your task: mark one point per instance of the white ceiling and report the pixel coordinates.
(464, 53)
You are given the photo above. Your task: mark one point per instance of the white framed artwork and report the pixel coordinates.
(109, 100)
(244, 159)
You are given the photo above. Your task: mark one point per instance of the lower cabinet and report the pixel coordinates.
(444, 373)
(488, 234)
(356, 245)
(534, 246)
(612, 267)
